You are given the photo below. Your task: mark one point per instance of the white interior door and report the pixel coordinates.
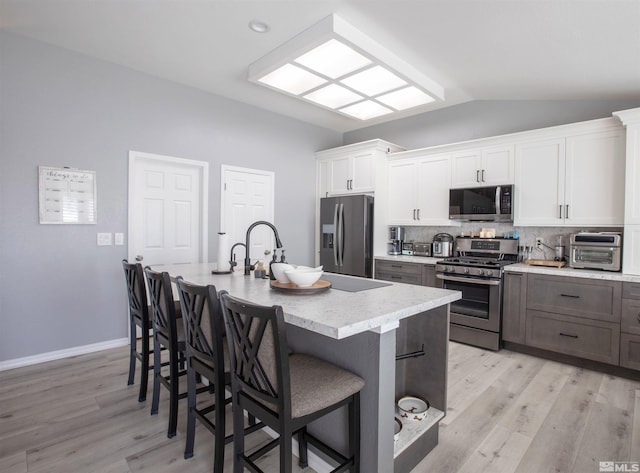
(167, 209)
(247, 195)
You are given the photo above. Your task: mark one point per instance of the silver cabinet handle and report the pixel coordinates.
(483, 175)
(418, 214)
(560, 213)
(566, 211)
(477, 175)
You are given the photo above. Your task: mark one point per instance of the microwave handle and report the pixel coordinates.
(498, 199)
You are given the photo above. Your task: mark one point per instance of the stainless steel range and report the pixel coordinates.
(477, 271)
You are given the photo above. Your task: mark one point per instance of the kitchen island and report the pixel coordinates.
(394, 336)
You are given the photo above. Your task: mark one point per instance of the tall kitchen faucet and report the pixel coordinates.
(247, 259)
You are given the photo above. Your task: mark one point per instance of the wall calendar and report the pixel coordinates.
(66, 196)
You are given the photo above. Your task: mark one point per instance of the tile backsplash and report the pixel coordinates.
(527, 235)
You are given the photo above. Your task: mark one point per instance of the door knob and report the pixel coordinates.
(139, 257)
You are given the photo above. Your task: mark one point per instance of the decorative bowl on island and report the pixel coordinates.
(278, 271)
(304, 277)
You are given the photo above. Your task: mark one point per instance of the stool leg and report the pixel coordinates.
(286, 451)
(173, 394)
(238, 434)
(144, 369)
(132, 351)
(354, 432)
(302, 448)
(218, 461)
(191, 418)
(157, 362)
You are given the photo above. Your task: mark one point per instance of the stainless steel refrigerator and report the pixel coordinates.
(346, 235)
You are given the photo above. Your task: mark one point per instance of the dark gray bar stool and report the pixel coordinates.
(285, 391)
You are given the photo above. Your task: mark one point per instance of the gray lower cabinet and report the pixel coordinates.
(514, 307)
(407, 273)
(586, 318)
(630, 326)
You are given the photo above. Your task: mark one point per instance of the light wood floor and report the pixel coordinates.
(508, 412)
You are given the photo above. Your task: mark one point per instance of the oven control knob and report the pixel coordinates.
(450, 269)
(481, 272)
(466, 270)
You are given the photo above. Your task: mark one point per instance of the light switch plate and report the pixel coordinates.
(119, 239)
(104, 239)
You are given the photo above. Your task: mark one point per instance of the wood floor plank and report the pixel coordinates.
(501, 452)
(15, 463)
(555, 446)
(634, 454)
(607, 437)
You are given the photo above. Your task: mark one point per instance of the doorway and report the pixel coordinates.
(168, 209)
(246, 196)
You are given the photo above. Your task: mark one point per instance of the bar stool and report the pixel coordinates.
(138, 317)
(168, 333)
(285, 391)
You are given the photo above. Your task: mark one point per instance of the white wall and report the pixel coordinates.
(58, 108)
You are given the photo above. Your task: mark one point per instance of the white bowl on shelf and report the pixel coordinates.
(413, 408)
(279, 271)
(303, 277)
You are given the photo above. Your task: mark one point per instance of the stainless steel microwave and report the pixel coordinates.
(482, 204)
(601, 250)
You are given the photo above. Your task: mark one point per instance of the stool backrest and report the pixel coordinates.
(163, 310)
(203, 324)
(136, 291)
(259, 353)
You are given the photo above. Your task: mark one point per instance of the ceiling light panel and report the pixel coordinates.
(403, 99)
(292, 79)
(374, 81)
(334, 65)
(333, 96)
(366, 110)
(333, 59)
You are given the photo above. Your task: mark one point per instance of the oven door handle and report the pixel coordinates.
(484, 282)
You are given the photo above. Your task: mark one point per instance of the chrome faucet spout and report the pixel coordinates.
(232, 257)
(247, 259)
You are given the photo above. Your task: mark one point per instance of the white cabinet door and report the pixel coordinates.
(363, 173)
(594, 193)
(631, 250)
(324, 178)
(497, 166)
(465, 168)
(340, 175)
(353, 174)
(433, 190)
(403, 192)
(483, 167)
(632, 201)
(539, 183)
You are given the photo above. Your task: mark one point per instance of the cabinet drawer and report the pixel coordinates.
(630, 290)
(630, 351)
(630, 316)
(579, 297)
(590, 339)
(399, 277)
(393, 267)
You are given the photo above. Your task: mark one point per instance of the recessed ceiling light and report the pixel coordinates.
(259, 26)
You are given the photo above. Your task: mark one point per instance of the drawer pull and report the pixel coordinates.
(570, 295)
(396, 277)
(396, 266)
(568, 335)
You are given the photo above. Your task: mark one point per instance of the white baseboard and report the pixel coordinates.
(56, 355)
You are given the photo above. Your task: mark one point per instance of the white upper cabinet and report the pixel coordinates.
(354, 173)
(482, 167)
(571, 180)
(419, 191)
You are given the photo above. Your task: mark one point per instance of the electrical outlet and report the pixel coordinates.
(539, 243)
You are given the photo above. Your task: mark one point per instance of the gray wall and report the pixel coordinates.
(58, 108)
(484, 118)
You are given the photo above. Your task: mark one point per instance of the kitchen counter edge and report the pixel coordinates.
(572, 272)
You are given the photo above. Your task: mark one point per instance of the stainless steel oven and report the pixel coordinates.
(477, 272)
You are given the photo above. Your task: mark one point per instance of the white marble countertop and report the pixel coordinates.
(334, 313)
(572, 272)
(409, 259)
